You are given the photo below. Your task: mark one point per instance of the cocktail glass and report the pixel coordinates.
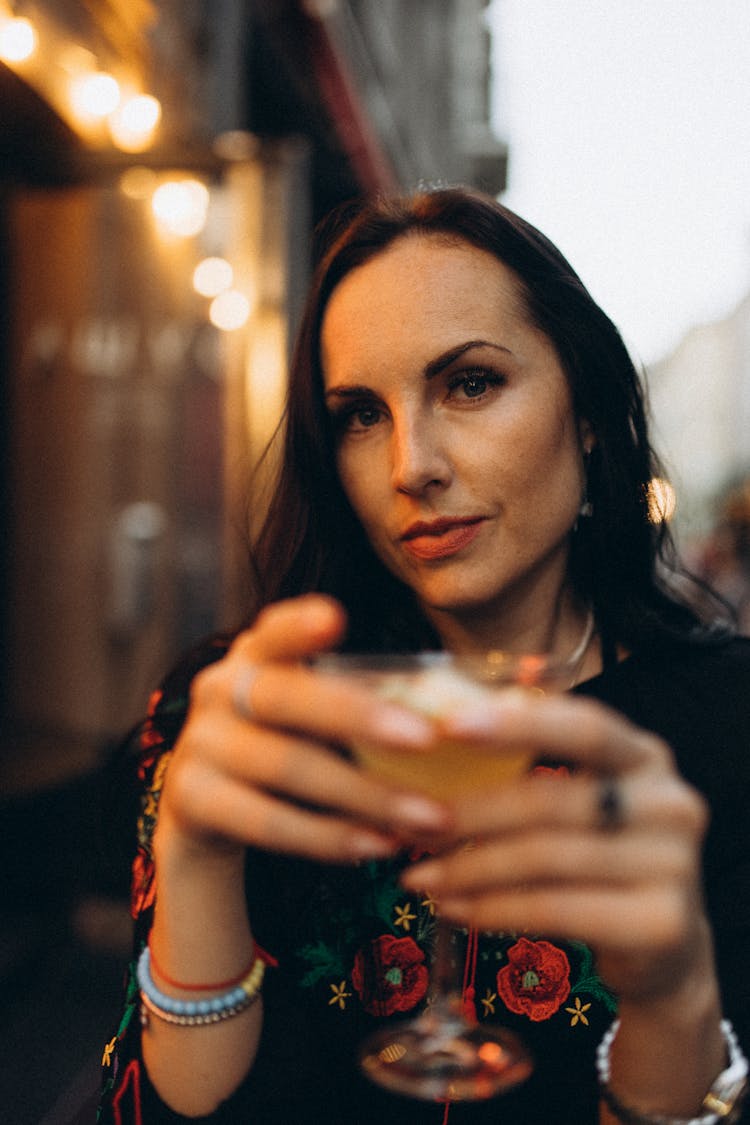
(442, 1054)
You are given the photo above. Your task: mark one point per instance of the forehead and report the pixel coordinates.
(423, 284)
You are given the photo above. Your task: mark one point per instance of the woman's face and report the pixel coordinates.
(457, 445)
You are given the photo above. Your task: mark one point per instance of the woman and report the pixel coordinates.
(465, 466)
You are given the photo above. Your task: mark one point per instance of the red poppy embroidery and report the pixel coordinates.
(390, 975)
(536, 980)
(143, 886)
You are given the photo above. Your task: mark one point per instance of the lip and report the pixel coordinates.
(439, 539)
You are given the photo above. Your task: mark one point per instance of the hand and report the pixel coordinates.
(254, 763)
(542, 860)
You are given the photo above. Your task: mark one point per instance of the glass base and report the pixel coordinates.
(445, 1059)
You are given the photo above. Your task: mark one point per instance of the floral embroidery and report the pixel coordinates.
(536, 980)
(390, 975)
(488, 1002)
(589, 980)
(340, 995)
(404, 917)
(329, 954)
(143, 887)
(578, 1012)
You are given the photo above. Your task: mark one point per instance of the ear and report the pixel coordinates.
(586, 435)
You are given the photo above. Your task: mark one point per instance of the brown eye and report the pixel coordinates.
(474, 385)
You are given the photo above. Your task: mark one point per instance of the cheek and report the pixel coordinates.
(361, 487)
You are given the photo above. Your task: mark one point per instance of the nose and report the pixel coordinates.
(419, 456)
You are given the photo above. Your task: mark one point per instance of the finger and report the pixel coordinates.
(332, 707)
(553, 858)
(642, 919)
(664, 801)
(292, 629)
(574, 729)
(255, 818)
(301, 769)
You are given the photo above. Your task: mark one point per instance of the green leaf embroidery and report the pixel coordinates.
(589, 980)
(324, 961)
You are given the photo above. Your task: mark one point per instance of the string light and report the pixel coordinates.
(661, 499)
(181, 207)
(94, 96)
(18, 40)
(212, 276)
(229, 311)
(132, 126)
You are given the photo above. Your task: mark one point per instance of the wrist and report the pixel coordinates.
(722, 1103)
(176, 848)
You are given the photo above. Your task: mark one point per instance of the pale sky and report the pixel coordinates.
(628, 123)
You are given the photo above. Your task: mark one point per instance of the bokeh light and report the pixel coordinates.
(94, 96)
(229, 311)
(180, 207)
(17, 40)
(133, 125)
(662, 500)
(212, 276)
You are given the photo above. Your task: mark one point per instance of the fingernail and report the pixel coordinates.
(421, 877)
(403, 727)
(367, 845)
(419, 812)
(476, 721)
(455, 908)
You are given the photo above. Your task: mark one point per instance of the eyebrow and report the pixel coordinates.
(433, 368)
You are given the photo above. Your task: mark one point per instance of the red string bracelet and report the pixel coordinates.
(218, 986)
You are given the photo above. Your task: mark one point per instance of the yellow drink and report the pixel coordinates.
(451, 767)
(448, 770)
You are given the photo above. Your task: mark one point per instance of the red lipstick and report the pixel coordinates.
(438, 539)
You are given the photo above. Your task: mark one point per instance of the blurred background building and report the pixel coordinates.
(162, 166)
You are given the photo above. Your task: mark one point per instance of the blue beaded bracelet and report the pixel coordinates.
(195, 1013)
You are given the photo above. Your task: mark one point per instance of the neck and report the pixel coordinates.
(559, 625)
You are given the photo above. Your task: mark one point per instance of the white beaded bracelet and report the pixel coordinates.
(196, 1013)
(722, 1103)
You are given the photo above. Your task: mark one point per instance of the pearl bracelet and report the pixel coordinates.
(722, 1103)
(196, 1013)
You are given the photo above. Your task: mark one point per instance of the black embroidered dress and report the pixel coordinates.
(353, 949)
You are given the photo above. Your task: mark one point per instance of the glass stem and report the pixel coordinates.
(446, 970)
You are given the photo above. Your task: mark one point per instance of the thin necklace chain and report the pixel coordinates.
(578, 653)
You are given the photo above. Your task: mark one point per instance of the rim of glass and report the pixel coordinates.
(494, 665)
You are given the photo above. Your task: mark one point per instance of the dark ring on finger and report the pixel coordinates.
(610, 805)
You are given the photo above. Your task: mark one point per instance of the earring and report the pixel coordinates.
(586, 509)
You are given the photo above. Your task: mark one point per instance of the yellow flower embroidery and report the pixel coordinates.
(108, 1051)
(161, 769)
(578, 1012)
(430, 903)
(340, 995)
(488, 1003)
(404, 917)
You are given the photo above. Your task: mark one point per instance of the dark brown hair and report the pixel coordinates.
(620, 560)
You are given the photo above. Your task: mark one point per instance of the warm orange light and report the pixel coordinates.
(17, 40)
(229, 311)
(94, 96)
(492, 1054)
(181, 207)
(212, 276)
(133, 125)
(138, 182)
(661, 499)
